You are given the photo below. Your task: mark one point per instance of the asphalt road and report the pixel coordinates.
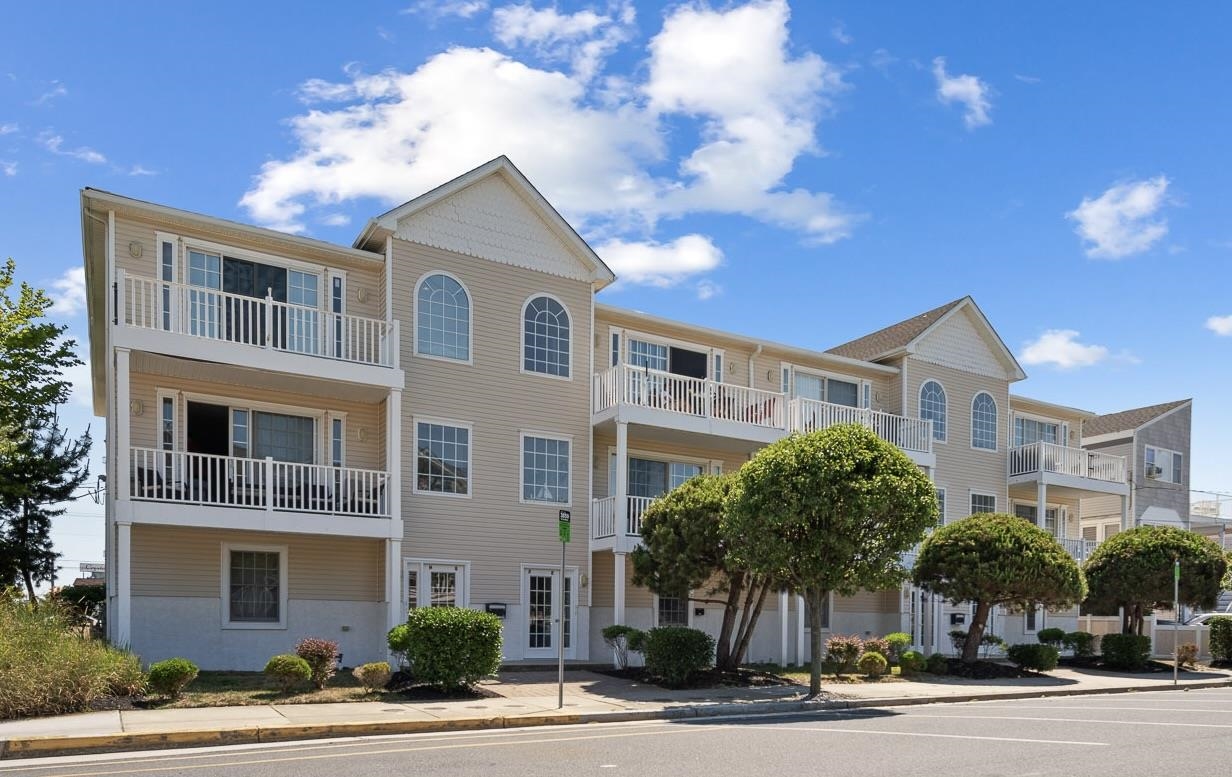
(1157, 733)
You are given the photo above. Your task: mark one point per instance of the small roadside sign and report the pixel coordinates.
(564, 525)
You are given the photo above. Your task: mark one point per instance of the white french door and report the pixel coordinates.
(545, 601)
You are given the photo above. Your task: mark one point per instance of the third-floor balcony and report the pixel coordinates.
(262, 332)
(1075, 468)
(666, 400)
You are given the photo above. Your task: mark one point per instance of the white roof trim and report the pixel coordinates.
(600, 273)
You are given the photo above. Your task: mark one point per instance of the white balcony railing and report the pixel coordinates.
(1049, 457)
(911, 434)
(196, 311)
(603, 516)
(698, 397)
(260, 484)
(1078, 548)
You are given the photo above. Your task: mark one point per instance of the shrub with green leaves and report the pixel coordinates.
(676, 654)
(374, 676)
(873, 664)
(449, 647)
(637, 641)
(1221, 637)
(322, 658)
(1051, 636)
(47, 667)
(1080, 643)
(1036, 656)
(898, 642)
(844, 651)
(877, 645)
(287, 671)
(958, 638)
(170, 677)
(1126, 652)
(912, 662)
(620, 638)
(937, 664)
(1186, 654)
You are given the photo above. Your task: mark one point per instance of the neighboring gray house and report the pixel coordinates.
(1155, 442)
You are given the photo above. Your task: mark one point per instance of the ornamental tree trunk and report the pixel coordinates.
(723, 651)
(813, 598)
(971, 648)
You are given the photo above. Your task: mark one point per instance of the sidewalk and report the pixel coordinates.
(524, 699)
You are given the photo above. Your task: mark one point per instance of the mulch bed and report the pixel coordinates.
(403, 684)
(985, 670)
(711, 678)
(1094, 662)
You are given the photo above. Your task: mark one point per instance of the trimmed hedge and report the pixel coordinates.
(937, 664)
(374, 676)
(449, 647)
(1051, 636)
(899, 642)
(1221, 637)
(1038, 656)
(169, 678)
(676, 654)
(873, 664)
(322, 658)
(287, 671)
(844, 652)
(1126, 652)
(912, 661)
(1080, 643)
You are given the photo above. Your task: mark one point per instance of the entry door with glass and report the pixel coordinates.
(1030, 513)
(546, 600)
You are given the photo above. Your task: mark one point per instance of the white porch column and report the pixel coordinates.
(123, 424)
(783, 627)
(1041, 504)
(122, 627)
(395, 611)
(1125, 524)
(622, 484)
(618, 595)
(799, 629)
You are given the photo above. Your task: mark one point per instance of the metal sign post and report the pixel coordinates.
(563, 528)
(1176, 621)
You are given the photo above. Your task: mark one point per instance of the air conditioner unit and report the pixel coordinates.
(1153, 472)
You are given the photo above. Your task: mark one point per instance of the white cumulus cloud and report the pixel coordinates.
(55, 144)
(1220, 325)
(660, 264)
(441, 9)
(68, 292)
(1122, 221)
(584, 39)
(1061, 348)
(972, 92)
(708, 289)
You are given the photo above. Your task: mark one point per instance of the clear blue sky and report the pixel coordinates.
(805, 174)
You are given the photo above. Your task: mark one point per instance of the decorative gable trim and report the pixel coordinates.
(1007, 366)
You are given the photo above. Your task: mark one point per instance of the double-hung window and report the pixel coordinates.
(443, 458)
(983, 503)
(672, 610)
(431, 584)
(545, 469)
(1163, 465)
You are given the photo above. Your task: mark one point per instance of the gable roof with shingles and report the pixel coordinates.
(1128, 420)
(895, 336)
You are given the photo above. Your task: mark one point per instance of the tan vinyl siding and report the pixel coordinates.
(367, 453)
(869, 601)
(175, 561)
(491, 528)
(655, 449)
(363, 278)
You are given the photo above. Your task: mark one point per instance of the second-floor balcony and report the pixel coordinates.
(207, 323)
(711, 407)
(1064, 466)
(236, 492)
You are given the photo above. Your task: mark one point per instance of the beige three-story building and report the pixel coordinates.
(307, 439)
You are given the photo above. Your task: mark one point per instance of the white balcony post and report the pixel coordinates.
(1041, 505)
(1125, 524)
(618, 595)
(622, 481)
(395, 344)
(799, 629)
(123, 424)
(268, 314)
(783, 613)
(122, 628)
(269, 483)
(121, 296)
(393, 458)
(395, 613)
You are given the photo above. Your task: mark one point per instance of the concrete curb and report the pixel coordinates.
(35, 747)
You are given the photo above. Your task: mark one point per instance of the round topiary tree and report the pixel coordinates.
(992, 559)
(1133, 569)
(830, 511)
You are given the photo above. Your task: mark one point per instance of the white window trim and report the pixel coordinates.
(996, 423)
(470, 321)
(421, 565)
(863, 385)
(522, 435)
(945, 500)
(283, 594)
(1062, 427)
(688, 607)
(319, 416)
(919, 399)
(1059, 528)
(177, 432)
(1165, 475)
(1041, 615)
(222, 249)
(522, 340)
(971, 494)
(573, 574)
(470, 455)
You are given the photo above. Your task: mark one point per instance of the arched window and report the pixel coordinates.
(932, 407)
(984, 422)
(443, 318)
(545, 337)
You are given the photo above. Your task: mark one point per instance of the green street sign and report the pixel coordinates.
(564, 528)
